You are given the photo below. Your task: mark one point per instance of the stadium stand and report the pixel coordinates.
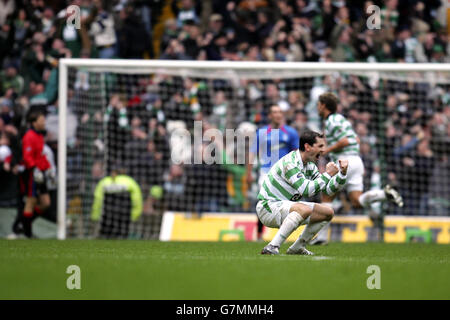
(34, 35)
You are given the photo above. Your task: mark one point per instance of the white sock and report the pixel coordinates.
(292, 222)
(322, 235)
(371, 196)
(305, 221)
(307, 234)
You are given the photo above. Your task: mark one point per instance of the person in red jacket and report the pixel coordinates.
(32, 179)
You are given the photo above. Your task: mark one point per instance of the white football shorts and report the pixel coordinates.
(280, 210)
(355, 173)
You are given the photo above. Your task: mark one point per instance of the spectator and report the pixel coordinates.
(206, 184)
(21, 31)
(365, 47)
(390, 15)
(175, 188)
(153, 163)
(134, 41)
(218, 117)
(215, 25)
(405, 48)
(343, 50)
(186, 11)
(323, 22)
(385, 53)
(191, 40)
(134, 148)
(170, 32)
(70, 35)
(7, 8)
(258, 114)
(11, 83)
(117, 126)
(34, 64)
(47, 21)
(300, 120)
(9, 170)
(102, 29)
(174, 51)
(6, 112)
(264, 25)
(237, 187)
(217, 47)
(415, 172)
(273, 97)
(191, 102)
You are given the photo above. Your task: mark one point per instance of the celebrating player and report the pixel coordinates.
(272, 142)
(292, 178)
(343, 143)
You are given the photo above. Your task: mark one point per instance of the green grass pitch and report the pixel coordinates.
(36, 269)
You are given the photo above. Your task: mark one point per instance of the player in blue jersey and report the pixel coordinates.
(271, 143)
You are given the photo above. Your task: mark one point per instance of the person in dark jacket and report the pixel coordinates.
(133, 40)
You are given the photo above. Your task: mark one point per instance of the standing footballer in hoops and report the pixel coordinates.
(271, 143)
(292, 178)
(343, 143)
(32, 180)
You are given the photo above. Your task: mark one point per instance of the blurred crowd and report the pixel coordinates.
(406, 144)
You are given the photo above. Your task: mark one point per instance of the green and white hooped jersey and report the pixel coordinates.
(336, 128)
(289, 179)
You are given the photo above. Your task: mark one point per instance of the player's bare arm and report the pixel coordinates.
(341, 144)
(344, 166)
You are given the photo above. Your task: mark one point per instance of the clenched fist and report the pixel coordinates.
(332, 168)
(344, 165)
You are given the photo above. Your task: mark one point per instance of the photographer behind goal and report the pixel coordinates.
(117, 203)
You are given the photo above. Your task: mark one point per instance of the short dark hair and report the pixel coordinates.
(34, 115)
(329, 100)
(117, 167)
(273, 106)
(308, 137)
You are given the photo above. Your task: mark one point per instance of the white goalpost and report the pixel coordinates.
(125, 110)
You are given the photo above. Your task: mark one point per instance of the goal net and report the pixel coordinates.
(178, 133)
